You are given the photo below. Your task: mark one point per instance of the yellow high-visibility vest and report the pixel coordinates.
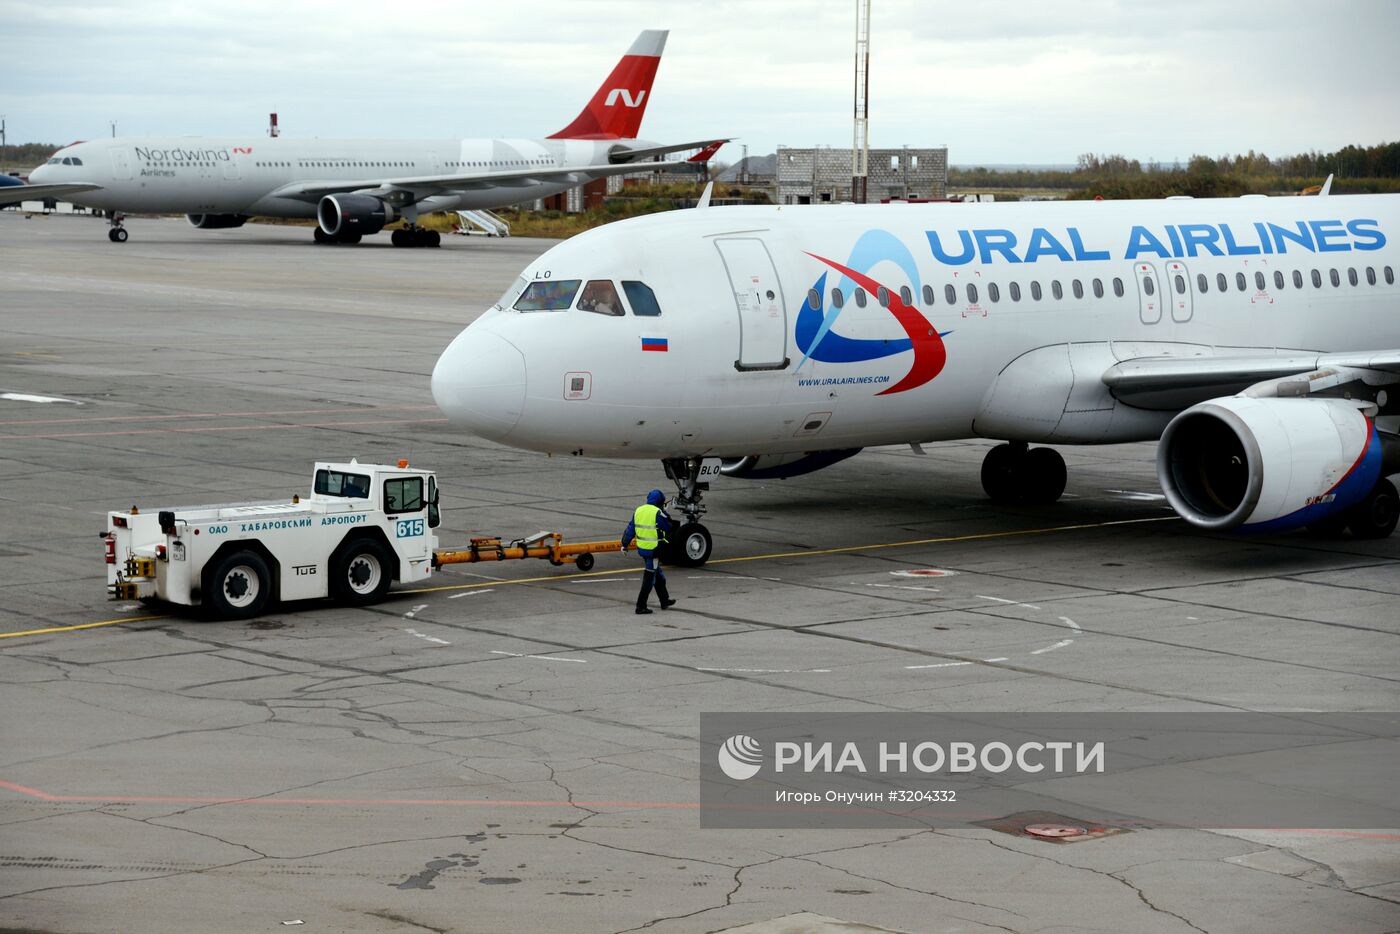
(644, 527)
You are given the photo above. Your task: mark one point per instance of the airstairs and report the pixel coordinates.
(484, 221)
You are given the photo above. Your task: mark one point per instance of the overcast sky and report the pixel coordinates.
(1033, 82)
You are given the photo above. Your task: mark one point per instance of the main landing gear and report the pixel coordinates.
(688, 546)
(323, 238)
(415, 236)
(1013, 473)
(117, 233)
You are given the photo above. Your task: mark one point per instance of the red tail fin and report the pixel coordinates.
(616, 110)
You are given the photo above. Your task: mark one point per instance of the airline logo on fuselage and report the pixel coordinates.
(183, 155)
(990, 246)
(626, 97)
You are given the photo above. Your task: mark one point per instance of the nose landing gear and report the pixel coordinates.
(1014, 473)
(690, 545)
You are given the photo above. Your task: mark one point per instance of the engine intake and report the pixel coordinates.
(339, 215)
(217, 221)
(1267, 464)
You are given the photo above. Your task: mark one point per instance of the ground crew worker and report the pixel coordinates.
(649, 526)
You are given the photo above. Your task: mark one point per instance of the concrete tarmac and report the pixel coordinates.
(511, 749)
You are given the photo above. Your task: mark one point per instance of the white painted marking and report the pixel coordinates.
(414, 612)
(902, 587)
(427, 638)
(772, 671)
(1137, 495)
(1002, 659)
(982, 596)
(1070, 623)
(942, 665)
(924, 572)
(1050, 648)
(1189, 617)
(545, 658)
(471, 593)
(26, 397)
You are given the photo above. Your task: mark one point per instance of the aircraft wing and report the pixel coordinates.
(418, 187)
(14, 194)
(1179, 382)
(707, 147)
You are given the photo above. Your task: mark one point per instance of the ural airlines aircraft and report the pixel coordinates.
(355, 187)
(1257, 338)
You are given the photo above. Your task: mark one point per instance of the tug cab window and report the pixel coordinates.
(403, 494)
(642, 299)
(335, 483)
(600, 297)
(548, 295)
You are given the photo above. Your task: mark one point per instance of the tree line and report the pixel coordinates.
(1357, 169)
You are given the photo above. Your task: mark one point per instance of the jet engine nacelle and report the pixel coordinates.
(1267, 464)
(782, 466)
(217, 221)
(353, 214)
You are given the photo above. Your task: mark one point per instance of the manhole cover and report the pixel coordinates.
(924, 572)
(1058, 831)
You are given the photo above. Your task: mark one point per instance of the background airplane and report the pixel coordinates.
(355, 187)
(1248, 335)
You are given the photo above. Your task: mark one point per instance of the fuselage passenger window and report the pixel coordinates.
(993, 292)
(1351, 276)
(1056, 289)
(814, 299)
(1180, 284)
(642, 299)
(1202, 283)
(950, 294)
(928, 294)
(883, 297)
(1240, 282)
(972, 293)
(860, 298)
(1259, 281)
(1078, 288)
(1278, 279)
(1317, 279)
(1336, 279)
(1297, 279)
(1117, 286)
(1147, 287)
(1036, 294)
(1389, 276)
(1015, 291)
(1370, 275)
(1220, 282)
(1098, 288)
(906, 295)
(837, 299)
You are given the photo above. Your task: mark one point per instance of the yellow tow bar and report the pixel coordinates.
(547, 545)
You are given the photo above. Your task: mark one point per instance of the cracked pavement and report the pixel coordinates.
(534, 765)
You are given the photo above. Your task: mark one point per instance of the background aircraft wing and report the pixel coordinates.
(1178, 382)
(14, 194)
(418, 187)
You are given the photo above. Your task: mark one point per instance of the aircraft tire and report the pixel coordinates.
(349, 239)
(117, 235)
(689, 546)
(1377, 514)
(320, 236)
(1000, 477)
(398, 238)
(432, 238)
(1043, 476)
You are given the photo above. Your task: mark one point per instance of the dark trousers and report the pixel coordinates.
(652, 577)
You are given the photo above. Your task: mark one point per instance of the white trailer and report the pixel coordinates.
(363, 527)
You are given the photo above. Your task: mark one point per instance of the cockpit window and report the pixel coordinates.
(77, 161)
(54, 161)
(600, 297)
(68, 160)
(511, 294)
(643, 299)
(548, 295)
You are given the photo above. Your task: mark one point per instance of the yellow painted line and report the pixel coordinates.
(847, 549)
(105, 622)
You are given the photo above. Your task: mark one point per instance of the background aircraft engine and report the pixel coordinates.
(1267, 464)
(782, 466)
(340, 215)
(217, 221)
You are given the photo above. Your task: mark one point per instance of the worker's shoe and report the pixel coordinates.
(667, 603)
(643, 611)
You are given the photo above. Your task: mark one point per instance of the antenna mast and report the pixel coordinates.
(860, 142)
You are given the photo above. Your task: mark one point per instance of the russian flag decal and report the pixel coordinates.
(654, 343)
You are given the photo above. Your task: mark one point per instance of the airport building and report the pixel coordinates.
(822, 174)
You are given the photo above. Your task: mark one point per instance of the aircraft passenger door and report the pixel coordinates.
(121, 165)
(758, 297)
(1178, 287)
(1149, 293)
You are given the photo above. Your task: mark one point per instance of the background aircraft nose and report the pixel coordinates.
(479, 381)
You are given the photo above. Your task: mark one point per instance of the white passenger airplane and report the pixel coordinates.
(355, 187)
(1258, 338)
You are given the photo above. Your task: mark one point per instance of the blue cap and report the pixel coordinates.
(656, 498)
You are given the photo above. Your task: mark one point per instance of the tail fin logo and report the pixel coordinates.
(626, 97)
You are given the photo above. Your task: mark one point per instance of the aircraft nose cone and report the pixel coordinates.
(479, 382)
